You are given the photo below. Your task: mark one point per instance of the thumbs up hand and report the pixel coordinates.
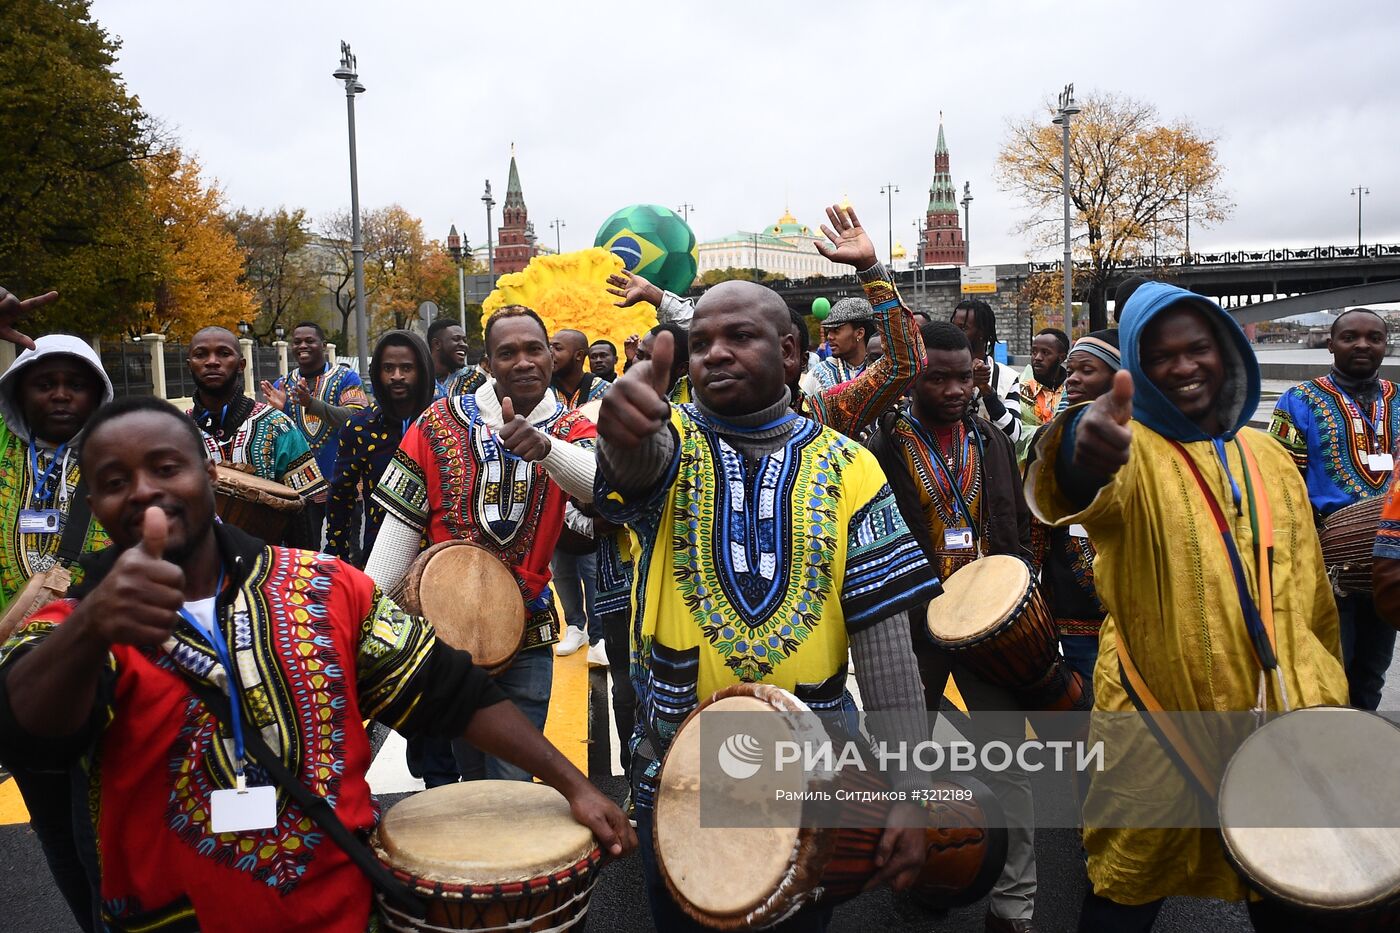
(519, 436)
(635, 407)
(136, 603)
(1104, 434)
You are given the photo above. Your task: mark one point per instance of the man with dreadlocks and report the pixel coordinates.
(996, 388)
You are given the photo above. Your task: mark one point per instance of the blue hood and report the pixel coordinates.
(1239, 396)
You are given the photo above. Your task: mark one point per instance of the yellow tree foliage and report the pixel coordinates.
(1134, 182)
(199, 267)
(571, 290)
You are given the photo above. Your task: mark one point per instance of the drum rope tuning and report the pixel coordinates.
(393, 917)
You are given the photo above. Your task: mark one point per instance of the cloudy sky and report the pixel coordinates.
(741, 107)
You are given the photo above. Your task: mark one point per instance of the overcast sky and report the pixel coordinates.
(739, 107)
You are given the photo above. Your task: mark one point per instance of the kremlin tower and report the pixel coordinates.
(943, 234)
(515, 241)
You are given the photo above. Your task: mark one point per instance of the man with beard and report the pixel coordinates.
(318, 395)
(447, 344)
(494, 468)
(1342, 430)
(113, 683)
(245, 434)
(1042, 384)
(998, 391)
(602, 359)
(578, 386)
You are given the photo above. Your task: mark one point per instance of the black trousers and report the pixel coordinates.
(49, 799)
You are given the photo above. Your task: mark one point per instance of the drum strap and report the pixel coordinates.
(396, 892)
(1160, 723)
(70, 545)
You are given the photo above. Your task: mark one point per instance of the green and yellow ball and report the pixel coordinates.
(653, 242)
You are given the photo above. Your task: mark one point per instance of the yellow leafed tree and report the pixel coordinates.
(199, 267)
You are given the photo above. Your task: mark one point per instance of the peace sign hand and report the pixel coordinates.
(12, 310)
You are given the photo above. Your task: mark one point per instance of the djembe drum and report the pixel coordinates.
(258, 506)
(471, 599)
(1330, 768)
(1347, 537)
(489, 856)
(733, 878)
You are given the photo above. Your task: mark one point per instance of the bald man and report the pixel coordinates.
(571, 377)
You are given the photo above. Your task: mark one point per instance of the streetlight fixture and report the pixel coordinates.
(1359, 192)
(348, 73)
(889, 190)
(919, 263)
(244, 328)
(684, 210)
(490, 202)
(967, 222)
(557, 225)
(279, 332)
(455, 249)
(1067, 109)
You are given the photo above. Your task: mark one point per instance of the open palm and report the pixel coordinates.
(849, 244)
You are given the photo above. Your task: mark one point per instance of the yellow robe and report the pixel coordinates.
(1162, 574)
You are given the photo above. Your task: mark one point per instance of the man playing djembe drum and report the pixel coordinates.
(1181, 499)
(748, 467)
(120, 682)
(1342, 430)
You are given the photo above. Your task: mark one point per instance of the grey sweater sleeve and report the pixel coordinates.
(639, 470)
(888, 676)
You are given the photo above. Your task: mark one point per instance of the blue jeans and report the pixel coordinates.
(527, 682)
(1081, 654)
(576, 580)
(1367, 645)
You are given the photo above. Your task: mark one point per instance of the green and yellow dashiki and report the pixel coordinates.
(268, 442)
(24, 555)
(756, 570)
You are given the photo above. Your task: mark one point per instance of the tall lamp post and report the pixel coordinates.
(919, 263)
(490, 202)
(889, 191)
(1067, 109)
(967, 222)
(1359, 192)
(684, 210)
(347, 73)
(558, 225)
(456, 249)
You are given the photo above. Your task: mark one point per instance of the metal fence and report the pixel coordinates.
(128, 365)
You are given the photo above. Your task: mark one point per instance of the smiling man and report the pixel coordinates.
(1342, 430)
(447, 344)
(1167, 480)
(318, 395)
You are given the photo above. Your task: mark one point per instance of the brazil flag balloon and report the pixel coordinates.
(652, 242)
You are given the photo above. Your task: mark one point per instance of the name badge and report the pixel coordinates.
(1078, 531)
(957, 539)
(39, 521)
(1380, 463)
(237, 809)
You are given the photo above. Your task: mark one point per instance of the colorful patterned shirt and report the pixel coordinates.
(833, 371)
(268, 442)
(1388, 533)
(464, 381)
(590, 389)
(336, 386)
(1329, 437)
(757, 570)
(366, 446)
(1038, 405)
(933, 462)
(24, 555)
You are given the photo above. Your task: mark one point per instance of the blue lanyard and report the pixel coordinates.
(947, 472)
(42, 492)
(1378, 410)
(215, 638)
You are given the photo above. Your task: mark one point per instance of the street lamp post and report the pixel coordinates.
(684, 210)
(490, 202)
(967, 222)
(919, 264)
(1067, 109)
(347, 73)
(558, 225)
(1359, 192)
(889, 191)
(456, 248)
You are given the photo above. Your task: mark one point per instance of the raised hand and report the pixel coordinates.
(275, 396)
(1104, 435)
(635, 407)
(136, 603)
(849, 244)
(12, 310)
(521, 437)
(629, 347)
(632, 289)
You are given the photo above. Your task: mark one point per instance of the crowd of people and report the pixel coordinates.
(729, 507)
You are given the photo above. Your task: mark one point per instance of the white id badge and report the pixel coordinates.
(235, 811)
(1078, 531)
(41, 521)
(957, 539)
(1380, 463)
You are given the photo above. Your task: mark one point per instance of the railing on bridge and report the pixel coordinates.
(1241, 256)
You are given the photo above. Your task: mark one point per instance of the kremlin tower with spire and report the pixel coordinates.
(515, 241)
(943, 234)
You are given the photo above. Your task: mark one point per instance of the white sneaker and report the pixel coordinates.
(574, 639)
(597, 655)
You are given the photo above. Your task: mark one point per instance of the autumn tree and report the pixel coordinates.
(198, 267)
(280, 266)
(71, 138)
(1134, 181)
(715, 276)
(338, 272)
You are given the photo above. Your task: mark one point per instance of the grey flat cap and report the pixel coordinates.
(847, 310)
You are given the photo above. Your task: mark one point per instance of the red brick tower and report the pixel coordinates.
(943, 234)
(515, 241)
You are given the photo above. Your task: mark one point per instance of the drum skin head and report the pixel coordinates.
(721, 872)
(264, 491)
(482, 833)
(473, 603)
(978, 597)
(1332, 762)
